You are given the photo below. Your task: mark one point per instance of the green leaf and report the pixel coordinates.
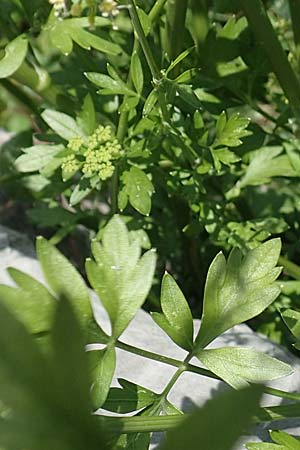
(283, 442)
(282, 438)
(31, 303)
(265, 164)
(224, 156)
(150, 102)
(64, 279)
(238, 290)
(82, 190)
(136, 72)
(37, 157)
(120, 277)
(186, 93)
(292, 320)
(15, 53)
(87, 117)
(187, 76)
(177, 313)
(179, 58)
(64, 32)
(102, 367)
(138, 188)
(110, 86)
(35, 411)
(70, 359)
(65, 126)
(145, 20)
(130, 397)
(230, 131)
(240, 366)
(218, 424)
(264, 446)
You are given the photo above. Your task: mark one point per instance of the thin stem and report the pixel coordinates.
(143, 41)
(289, 267)
(265, 34)
(164, 359)
(195, 369)
(123, 119)
(172, 381)
(114, 191)
(144, 424)
(282, 394)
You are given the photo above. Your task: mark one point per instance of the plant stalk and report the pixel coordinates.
(143, 41)
(266, 36)
(195, 369)
(142, 424)
(289, 267)
(123, 119)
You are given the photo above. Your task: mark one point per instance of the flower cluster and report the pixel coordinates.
(59, 6)
(109, 8)
(93, 156)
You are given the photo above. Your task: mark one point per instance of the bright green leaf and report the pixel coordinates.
(138, 188)
(230, 131)
(37, 157)
(64, 279)
(176, 312)
(102, 367)
(111, 86)
(15, 53)
(120, 277)
(238, 290)
(265, 164)
(64, 32)
(136, 72)
(150, 102)
(87, 117)
(282, 438)
(64, 125)
(240, 366)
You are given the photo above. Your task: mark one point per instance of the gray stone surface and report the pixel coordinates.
(190, 389)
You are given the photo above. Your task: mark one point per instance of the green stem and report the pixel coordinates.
(123, 119)
(28, 76)
(143, 41)
(289, 267)
(176, 13)
(195, 369)
(21, 96)
(295, 16)
(157, 77)
(265, 34)
(144, 424)
(164, 359)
